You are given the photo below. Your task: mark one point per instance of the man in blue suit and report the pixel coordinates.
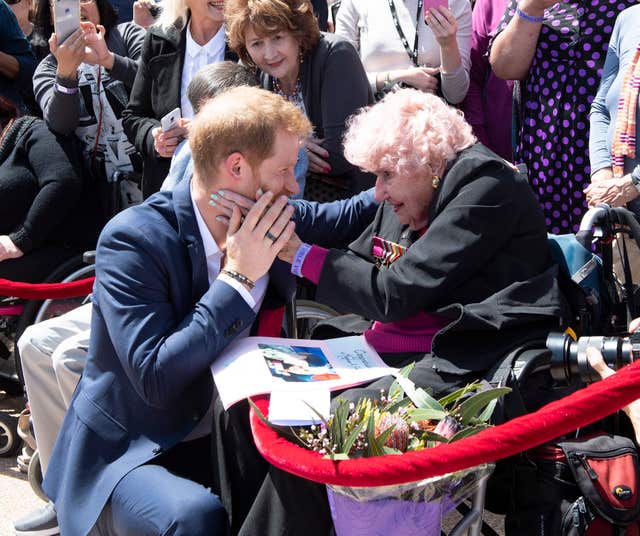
(174, 286)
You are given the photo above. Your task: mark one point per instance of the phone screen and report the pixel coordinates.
(66, 18)
(429, 4)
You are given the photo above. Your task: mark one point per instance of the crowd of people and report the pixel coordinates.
(248, 148)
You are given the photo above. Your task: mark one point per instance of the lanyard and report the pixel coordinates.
(413, 54)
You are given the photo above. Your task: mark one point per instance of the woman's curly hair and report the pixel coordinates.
(405, 132)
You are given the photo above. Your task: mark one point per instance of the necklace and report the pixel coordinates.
(294, 96)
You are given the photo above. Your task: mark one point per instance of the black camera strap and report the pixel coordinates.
(413, 54)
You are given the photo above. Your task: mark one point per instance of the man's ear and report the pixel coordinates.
(234, 165)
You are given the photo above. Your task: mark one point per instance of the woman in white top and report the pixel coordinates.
(437, 59)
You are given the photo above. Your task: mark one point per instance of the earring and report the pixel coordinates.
(435, 182)
(300, 56)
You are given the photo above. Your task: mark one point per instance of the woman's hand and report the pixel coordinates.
(288, 252)
(317, 155)
(142, 13)
(254, 243)
(443, 24)
(615, 192)
(165, 143)
(8, 250)
(602, 175)
(69, 54)
(422, 78)
(96, 51)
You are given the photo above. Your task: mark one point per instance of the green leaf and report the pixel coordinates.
(453, 398)
(396, 389)
(469, 431)
(337, 457)
(389, 450)
(418, 396)
(417, 415)
(471, 407)
(375, 443)
(488, 411)
(285, 431)
(395, 406)
(432, 436)
(352, 437)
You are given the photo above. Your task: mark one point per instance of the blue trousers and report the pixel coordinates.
(159, 499)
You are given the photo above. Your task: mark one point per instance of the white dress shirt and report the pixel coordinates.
(196, 57)
(254, 299)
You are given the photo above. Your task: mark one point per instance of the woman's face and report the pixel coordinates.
(89, 11)
(277, 54)
(206, 10)
(410, 196)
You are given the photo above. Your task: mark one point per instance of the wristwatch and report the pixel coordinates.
(635, 177)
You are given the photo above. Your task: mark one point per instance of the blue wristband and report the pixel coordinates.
(527, 17)
(298, 259)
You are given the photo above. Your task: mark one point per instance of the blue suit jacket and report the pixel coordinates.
(157, 326)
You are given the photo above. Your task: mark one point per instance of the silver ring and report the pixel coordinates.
(271, 237)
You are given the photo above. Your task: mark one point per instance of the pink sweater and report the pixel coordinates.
(413, 334)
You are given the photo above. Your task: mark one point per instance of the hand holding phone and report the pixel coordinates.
(430, 4)
(66, 18)
(171, 120)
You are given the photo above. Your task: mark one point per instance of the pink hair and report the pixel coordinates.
(405, 132)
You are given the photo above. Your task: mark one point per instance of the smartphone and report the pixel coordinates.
(66, 18)
(430, 4)
(170, 120)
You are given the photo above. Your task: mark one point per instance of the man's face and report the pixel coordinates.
(276, 173)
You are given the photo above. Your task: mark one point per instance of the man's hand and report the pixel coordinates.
(8, 250)
(69, 54)
(165, 143)
(254, 243)
(422, 78)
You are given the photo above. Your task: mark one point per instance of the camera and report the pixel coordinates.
(569, 358)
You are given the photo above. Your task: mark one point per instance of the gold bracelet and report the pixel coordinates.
(239, 277)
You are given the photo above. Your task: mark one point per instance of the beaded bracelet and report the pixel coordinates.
(529, 18)
(239, 277)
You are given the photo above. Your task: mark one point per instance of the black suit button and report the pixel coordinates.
(196, 417)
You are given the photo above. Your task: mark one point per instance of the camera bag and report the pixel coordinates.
(580, 487)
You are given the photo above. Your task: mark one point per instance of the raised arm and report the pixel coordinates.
(513, 49)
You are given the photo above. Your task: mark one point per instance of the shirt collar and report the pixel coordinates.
(211, 248)
(211, 48)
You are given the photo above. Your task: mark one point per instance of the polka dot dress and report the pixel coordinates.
(553, 138)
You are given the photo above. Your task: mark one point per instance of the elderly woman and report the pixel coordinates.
(319, 72)
(189, 34)
(451, 272)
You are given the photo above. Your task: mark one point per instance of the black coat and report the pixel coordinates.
(484, 262)
(334, 86)
(156, 91)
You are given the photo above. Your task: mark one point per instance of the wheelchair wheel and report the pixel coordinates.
(10, 443)
(34, 474)
(308, 314)
(36, 310)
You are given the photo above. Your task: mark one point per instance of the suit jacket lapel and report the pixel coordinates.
(188, 231)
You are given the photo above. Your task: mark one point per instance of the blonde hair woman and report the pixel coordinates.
(189, 34)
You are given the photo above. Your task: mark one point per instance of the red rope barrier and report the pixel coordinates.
(560, 417)
(46, 291)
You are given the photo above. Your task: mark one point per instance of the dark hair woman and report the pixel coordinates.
(45, 217)
(321, 73)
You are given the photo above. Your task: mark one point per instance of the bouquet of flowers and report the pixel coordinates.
(407, 418)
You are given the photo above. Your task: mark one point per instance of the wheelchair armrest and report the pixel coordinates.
(89, 257)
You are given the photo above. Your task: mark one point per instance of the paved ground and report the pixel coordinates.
(16, 497)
